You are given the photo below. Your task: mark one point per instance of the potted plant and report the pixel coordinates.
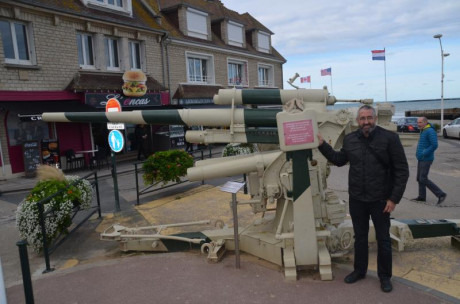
(64, 192)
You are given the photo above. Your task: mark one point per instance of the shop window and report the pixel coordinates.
(237, 73)
(200, 69)
(265, 75)
(235, 34)
(21, 131)
(16, 38)
(111, 53)
(197, 25)
(85, 51)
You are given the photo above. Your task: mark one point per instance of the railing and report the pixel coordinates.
(47, 250)
(42, 214)
(201, 155)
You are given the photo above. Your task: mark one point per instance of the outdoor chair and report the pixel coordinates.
(73, 161)
(100, 157)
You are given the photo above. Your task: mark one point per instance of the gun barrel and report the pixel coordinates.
(272, 96)
(189, 117)
(229, 166)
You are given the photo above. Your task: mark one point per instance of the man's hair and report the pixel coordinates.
(423, 119)
(366, 107)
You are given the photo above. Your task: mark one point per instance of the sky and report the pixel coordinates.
(340, 34)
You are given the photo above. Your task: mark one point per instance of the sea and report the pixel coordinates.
(407, 105)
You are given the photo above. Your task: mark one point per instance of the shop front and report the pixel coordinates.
(23, 126)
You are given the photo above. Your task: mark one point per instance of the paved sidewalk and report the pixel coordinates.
(92, 271)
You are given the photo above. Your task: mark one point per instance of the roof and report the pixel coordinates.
(217, 12)
(142, 18)
(196, 91)
(106, 81)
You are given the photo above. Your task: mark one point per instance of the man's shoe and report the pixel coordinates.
(385, 285)
(441, 199)
(353, 277)
(418, 199)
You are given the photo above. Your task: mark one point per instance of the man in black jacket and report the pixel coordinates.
(376, 182)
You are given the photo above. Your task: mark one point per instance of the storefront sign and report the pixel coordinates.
(99, 100)
(37, 117)
(195, 101)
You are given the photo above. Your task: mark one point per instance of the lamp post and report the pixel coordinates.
(438, 36)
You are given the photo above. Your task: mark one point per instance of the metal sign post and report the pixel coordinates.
(116, 143)
(233, 188)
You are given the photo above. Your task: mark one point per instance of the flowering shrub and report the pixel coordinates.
(66, 197)
(237, 149)
(165, 166)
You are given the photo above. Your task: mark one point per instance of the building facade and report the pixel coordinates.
(70, 55)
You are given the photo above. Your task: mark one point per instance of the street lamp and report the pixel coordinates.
(438, 36)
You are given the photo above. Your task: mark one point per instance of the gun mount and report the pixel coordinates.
(303, 222)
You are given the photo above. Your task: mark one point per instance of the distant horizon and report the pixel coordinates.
(414, 100)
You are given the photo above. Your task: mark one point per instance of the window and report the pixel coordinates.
(85, 51)
(235, 34)
(265, 75)
(111, 53)
(119, 6)
(134, 55)
(199, 68)
(197, 25)
(16, 46)
(237, 73)
(263, 42)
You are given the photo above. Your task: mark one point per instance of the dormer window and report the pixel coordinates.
(119, 6)
(197, 23)
(235, 34)
(263, 42)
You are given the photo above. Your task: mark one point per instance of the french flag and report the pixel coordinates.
(378, 55)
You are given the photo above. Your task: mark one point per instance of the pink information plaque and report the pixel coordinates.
(298, 132)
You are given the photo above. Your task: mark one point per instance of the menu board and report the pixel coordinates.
(50, 151)
(32, 157)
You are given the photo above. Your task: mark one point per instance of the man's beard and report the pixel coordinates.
(367, 131)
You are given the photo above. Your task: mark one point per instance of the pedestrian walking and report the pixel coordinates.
(141, 139)
(377, 179)
(427, 144)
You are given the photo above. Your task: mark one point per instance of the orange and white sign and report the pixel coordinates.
(113, 105)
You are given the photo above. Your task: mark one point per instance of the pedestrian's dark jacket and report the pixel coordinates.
(371, 179)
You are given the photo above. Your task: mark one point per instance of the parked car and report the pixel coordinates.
(407, 125)
(452, 129)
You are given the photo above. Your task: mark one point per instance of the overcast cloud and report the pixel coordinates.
(341, 34)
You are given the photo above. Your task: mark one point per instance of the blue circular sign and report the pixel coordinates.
(116, 140)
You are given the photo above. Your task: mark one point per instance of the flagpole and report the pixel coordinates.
(332, 90)
(385, 71)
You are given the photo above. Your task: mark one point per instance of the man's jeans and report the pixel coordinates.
(360, 213)
(423, 168)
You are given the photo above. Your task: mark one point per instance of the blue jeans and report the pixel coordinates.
(360, 213)
(423, 168)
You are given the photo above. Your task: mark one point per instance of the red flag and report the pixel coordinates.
(306, 79)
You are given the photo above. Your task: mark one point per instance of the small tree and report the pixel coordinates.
(166, 166)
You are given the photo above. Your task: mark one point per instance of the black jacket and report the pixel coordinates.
(372, 176)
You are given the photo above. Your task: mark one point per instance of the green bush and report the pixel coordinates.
(166, 166)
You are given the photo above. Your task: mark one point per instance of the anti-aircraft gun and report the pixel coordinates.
(303, 222)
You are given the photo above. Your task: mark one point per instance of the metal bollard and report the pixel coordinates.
(26, 279)
(2, 285)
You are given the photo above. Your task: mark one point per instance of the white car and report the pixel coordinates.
(452, 129)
